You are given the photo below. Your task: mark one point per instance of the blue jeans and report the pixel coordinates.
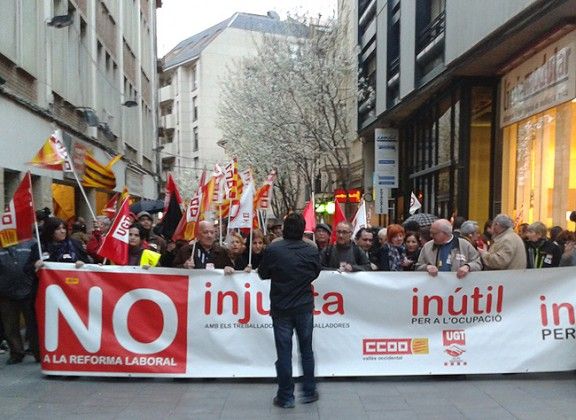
(284, 327)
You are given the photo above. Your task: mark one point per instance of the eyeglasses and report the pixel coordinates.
(343, 232)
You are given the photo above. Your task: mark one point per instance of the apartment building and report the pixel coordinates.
(88, 68)
(481, 98)
(191, 83)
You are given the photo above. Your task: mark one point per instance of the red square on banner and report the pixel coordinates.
(450, 337)
(112, 322)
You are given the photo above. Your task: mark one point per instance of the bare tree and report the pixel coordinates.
(285, 108)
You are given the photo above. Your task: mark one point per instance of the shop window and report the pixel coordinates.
(539, 167)
(480, 147)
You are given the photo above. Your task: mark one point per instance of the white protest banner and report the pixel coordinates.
(125, 321)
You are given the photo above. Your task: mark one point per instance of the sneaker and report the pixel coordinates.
(283, 404)
(310, 398)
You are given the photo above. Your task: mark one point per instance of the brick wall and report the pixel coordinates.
(129, 63)
(67, 112)
(106, 28)
(22, 83)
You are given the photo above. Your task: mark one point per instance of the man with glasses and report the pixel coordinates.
(507, 251)
(445, 252)
(344, 255)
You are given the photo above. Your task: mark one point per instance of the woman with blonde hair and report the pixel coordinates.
(234, 259)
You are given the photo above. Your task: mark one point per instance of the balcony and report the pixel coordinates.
(432, 33)
(168, 122)
(166, 94)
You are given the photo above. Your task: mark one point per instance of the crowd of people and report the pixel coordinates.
(457, 245)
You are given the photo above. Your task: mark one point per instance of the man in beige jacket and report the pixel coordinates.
(507, 251)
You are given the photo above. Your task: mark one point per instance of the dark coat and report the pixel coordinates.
(292, 265)
(543, 254)
(15, 282)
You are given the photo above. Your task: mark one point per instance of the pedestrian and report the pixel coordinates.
(568, 258)
(541, 252)
(322, 235)
(101, 226)
(344, 255)
(445, 252)
(507, 251)
(57, 246)
(392, 255)
(292, 265)
(412, 245)
(200, 252)
(258, 247)
(150, 239)
(17, 295)
(234, 257)
(138, 254)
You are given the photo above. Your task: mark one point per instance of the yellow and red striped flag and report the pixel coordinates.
(52, 155)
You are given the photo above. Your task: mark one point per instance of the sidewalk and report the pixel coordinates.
(25, 393)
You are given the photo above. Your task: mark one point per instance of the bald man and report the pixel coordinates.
(205, 249)
(445, 252)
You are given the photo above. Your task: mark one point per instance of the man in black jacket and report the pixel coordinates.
(17, 295)
(292, 265)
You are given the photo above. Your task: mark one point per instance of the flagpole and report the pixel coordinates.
(220, 221)
(35, 220)
(250, 249)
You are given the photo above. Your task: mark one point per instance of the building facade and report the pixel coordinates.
(481, 96)
(88, 68)
(191, 86)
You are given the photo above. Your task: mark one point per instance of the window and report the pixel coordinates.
(194, 109)
(539, 167)
(195, 139)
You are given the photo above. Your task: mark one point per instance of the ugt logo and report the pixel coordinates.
(454, 342)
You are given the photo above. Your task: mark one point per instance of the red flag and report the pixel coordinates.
(172, 209)
(171, 190)
(339, 217)
(115, 243)
(310, 217)
(17, 222)
(110, 209)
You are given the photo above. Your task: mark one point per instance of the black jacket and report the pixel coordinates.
(332, 255)
(15, 281)
(292, 265)
(543, 254)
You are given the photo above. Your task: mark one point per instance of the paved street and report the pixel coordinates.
(26, 393)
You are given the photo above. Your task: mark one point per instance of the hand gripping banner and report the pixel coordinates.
(125, 321)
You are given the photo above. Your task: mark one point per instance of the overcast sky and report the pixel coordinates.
(180, 19)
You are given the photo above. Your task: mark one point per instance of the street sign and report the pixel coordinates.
(381, 200)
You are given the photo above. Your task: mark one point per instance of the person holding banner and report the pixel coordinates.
(138, 255)
(445, 252)
(292, 265)
(344, 255)
(200, 252)
(57, 246)
(234, 258)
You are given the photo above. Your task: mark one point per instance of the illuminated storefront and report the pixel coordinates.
(538, 121)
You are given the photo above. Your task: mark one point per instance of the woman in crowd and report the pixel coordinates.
(234, 259)
(57, 246)
(412, 245)
(137, 253)
(471, 232)
(258, 246)
(541, 252)
(568, 258)
(392, 256)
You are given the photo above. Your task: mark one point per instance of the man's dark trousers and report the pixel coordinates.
(284, 327)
